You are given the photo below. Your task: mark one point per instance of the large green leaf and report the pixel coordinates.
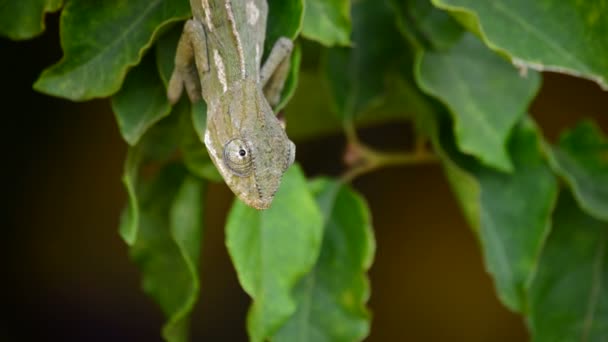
(327, 21)
(568, 294)
(565, 36)
(484, 93)
(163, 220)
(510, 212)
(357, 76)
(331, 299)
(581, 157)
(167, 248)
(273, 249)
(141, 102)
(24, 19)
(101, 40)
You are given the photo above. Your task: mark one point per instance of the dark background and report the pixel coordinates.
(69, 277)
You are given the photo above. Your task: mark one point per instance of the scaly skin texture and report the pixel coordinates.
(245, 140)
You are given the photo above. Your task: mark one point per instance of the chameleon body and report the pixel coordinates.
(219, 57)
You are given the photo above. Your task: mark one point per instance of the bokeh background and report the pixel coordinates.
(68, 275)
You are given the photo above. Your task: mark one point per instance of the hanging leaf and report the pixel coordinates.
(581, 158)
(357, 76)
(101, 40)
(568, 300)
(546, 35)
(167, 247)
(273, 249)
(327, 21)
(141, 102)
(426, 27)
(24, 19)
(284, 20)
(331, 298)
(484, 93)
(509, 212)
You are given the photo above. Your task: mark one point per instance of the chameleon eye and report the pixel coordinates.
(237, 157)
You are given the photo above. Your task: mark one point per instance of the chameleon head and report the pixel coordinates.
(248, 145)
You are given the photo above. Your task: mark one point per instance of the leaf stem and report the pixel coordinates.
(362, 159)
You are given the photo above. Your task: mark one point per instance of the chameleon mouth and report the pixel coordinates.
(260, 203)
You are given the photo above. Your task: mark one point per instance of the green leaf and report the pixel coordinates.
(581, 158)
(484, 93)
(425, 26)
(141, 102)
(357, 75)
(510, 212)
(327, 21)
(167, 248)
(331, 299)
(24, 19)
(273, 249)
(101, 40)
(284, 20)
(565, 36)
(568, 296)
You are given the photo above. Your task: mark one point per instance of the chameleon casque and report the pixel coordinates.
(219, 57)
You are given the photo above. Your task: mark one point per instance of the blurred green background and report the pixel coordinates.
(69, 275)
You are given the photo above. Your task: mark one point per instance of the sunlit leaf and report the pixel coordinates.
(558, 35)
(568, 296)
(331, 299)
(484, 93)
(24, 19)
(581, 157)
(273, 249)
(101, 40)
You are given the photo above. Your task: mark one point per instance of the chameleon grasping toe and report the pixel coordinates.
(219, 57)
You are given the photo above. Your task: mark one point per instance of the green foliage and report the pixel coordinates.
(327, 22)
(331, 298)
(483, 94)
(567, 300)
(357, 76)
(558, 35)
(24, 19)
(581, 158)
(101, 40)
(273, 249)
(511, 211)
(141, 102)
(444, 65)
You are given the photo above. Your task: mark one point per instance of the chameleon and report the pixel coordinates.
(218, 58)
